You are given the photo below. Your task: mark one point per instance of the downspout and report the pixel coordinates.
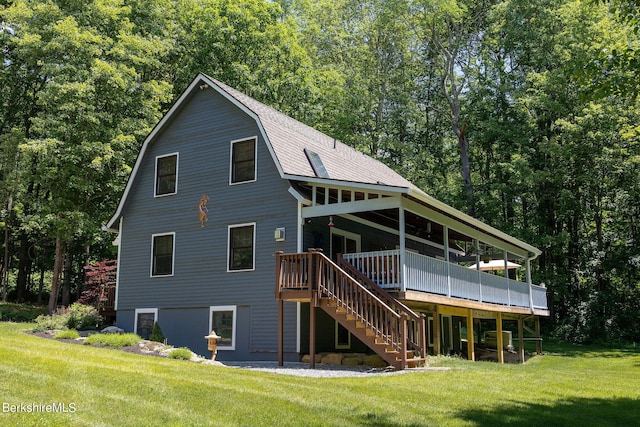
(401, 220)
(115, 304)
(299, 244)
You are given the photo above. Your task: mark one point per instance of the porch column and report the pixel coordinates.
(445, 233)
(471, 354)
(477, 247)
(527, 264)
(521, 339)
(499, 338)
(539, 339)
(506, 276)
(280, 332)
(312, 333)
(401, 220)
(436, 332)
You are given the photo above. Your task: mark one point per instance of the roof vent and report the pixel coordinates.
(316, 164)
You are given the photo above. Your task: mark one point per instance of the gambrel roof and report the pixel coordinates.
(302, 153)
(290, 138)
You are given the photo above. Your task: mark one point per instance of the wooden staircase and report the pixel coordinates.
(383, 323)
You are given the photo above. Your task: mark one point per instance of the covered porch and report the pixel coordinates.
(429, 256)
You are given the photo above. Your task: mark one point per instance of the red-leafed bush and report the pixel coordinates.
(99, 276)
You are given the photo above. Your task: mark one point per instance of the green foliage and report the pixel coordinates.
(46, 322)
(113, 340)
(182, 353)
(80, 316)
(69, 334)
(156, 334)
(77, 316)
(10, 312)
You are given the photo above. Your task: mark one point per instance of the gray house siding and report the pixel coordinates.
(201, 134)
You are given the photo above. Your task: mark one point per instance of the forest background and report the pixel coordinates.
(521, 113)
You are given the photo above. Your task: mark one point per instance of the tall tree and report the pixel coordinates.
(89, 101)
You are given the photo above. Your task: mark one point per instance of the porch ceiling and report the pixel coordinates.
(415, 225)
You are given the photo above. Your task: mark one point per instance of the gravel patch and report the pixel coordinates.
(323, 370)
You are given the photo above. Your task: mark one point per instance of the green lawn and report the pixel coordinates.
(575, 386)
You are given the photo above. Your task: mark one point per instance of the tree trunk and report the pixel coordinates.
(466, 170)
(40, 285)
(24, 267)
(57, 269)
(5, 262)
(66, 282)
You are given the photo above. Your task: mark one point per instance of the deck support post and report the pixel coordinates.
(521, 339)
(280, 332)
(499, 338)
(539, 339)
(312, 333)
(436, 332)
(471, 354)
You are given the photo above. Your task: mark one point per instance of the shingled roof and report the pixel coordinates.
(290, 138)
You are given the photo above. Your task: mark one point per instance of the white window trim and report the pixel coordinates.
(173, 255)
(255, 160)
(142, 311)
(253, 255)
(155, 177)
(348, 235)
(233, 309)
(342, 346)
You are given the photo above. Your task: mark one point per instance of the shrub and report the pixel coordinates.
(69, 334)
(47, 323)
(77, 316)
(113, 340)
(182, 353)
(81, 316)
(156, 334)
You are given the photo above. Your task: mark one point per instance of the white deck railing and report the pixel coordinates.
(431, 275)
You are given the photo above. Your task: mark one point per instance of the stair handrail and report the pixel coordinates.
(392, 336)
(420, 319)
(306, 272)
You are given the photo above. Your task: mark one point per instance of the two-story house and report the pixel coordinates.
(225, 200)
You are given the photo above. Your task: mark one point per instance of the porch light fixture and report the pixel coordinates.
(330, 221)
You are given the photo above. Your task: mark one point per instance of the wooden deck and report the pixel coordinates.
(368, 296)
(389, 328)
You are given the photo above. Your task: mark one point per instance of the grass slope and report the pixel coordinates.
(583, 386)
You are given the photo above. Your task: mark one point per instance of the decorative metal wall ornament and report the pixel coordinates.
(203, 211)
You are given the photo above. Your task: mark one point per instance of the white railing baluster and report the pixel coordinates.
(431, 275)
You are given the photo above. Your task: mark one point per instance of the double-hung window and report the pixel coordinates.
(162, 254)
(166, 175)
(241, 247)
(243, 161)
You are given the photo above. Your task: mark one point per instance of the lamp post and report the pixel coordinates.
(213, 343)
